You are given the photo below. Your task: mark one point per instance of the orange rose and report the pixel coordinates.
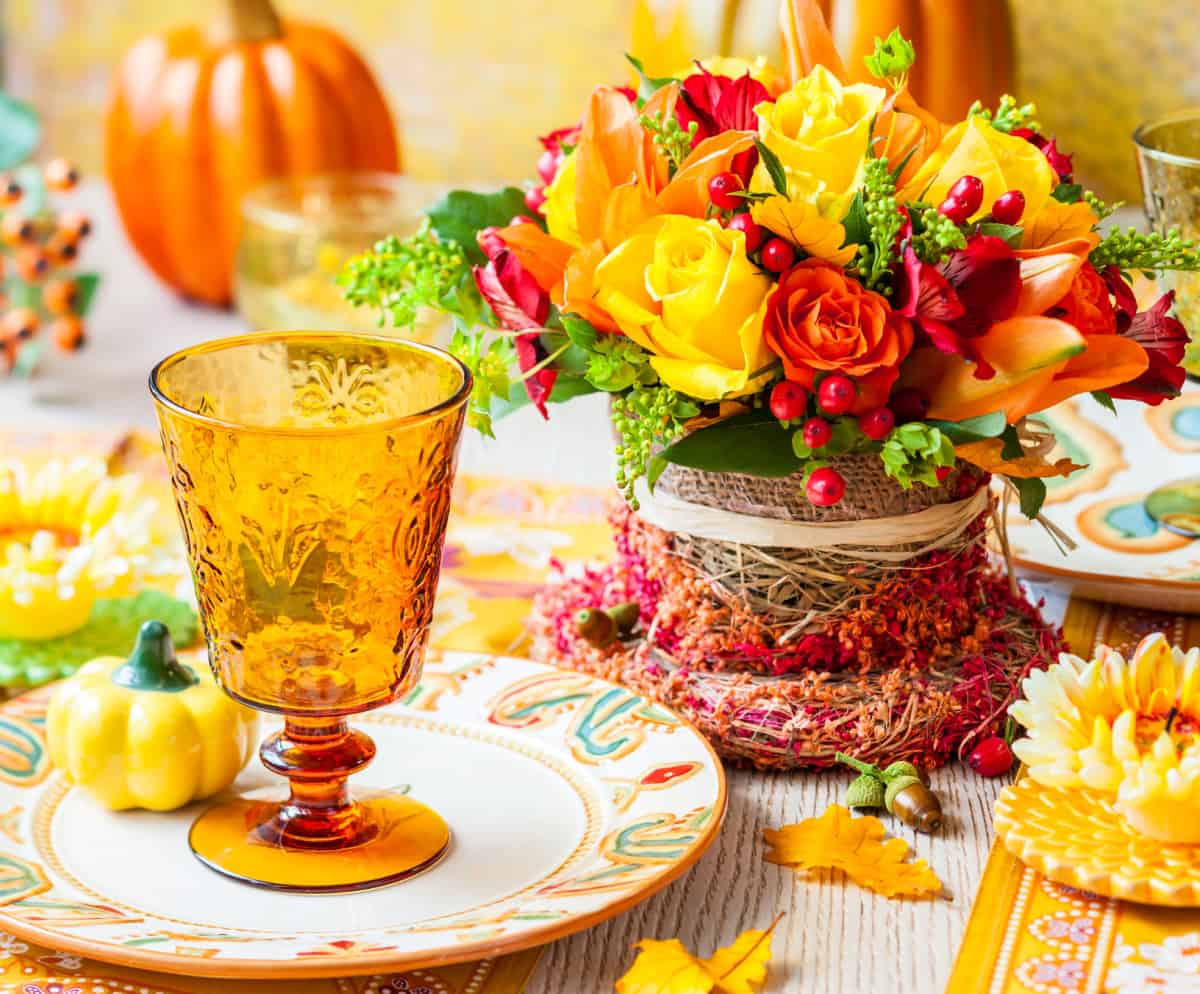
(818, 321)
(1087, 304)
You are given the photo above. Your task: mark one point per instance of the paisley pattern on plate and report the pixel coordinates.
(570, 799)
(1122, 553)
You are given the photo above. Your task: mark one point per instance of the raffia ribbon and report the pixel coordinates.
(893, 539)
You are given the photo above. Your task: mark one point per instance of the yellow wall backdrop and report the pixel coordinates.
(474, 81)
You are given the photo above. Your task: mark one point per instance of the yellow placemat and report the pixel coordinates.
(1029, 935)
(503, 540)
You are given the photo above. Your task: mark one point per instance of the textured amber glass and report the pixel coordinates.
(312, 473)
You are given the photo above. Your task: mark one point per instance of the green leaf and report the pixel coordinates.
(654, 469)
(1033, 495)
(462, 214)
(20, 131)
(87, 283)
(858, 228)
(1104, 400)
(973, 429)
(774, 167)
(1010, 234)
(579, 330)
(1068, 193)
(647, 85)
(1012, 444)
(755, 444)
(892, 58)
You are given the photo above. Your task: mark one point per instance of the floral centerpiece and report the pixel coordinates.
(824, 319)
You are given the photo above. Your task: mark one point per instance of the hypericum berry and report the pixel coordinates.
(74, 223)
(67, 333)
(836, 394)
(15, 229)
(61, 247)
(876, 424)
(60, 174)
(1009, 207)
(535, 197)
(909, 404)
(943, 473)
(721, 190)
(10, 190)
(777, 255)
(817, 433)
(789, 400)
(547, 166)
(825, 487)
(993, 757)
(20, 323)
(954, 209)
(968, 191)
(32, 263)
(753, 231)
(60, 296)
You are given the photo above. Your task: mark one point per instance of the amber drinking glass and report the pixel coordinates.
(312, 472)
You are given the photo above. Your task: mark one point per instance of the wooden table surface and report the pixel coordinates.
(834, 939)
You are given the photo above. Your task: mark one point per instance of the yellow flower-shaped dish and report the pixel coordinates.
(1077, 837)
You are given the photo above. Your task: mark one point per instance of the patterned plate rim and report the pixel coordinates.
(232, 968)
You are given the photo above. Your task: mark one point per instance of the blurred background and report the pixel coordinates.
(473, 82)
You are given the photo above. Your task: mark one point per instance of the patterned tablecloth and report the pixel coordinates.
(1026, 935)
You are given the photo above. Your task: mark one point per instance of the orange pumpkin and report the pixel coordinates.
(197, 118)
(964, 47)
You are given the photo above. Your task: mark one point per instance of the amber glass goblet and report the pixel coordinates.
(312, 472)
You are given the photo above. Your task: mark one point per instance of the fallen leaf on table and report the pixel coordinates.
(857, 847)
(666, 967)
(986, 454)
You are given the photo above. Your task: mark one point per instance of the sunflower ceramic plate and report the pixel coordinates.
(1075, 837)
(570, 800)
(1124, 554)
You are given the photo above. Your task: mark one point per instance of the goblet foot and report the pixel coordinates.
(391, 838)
(320, 840)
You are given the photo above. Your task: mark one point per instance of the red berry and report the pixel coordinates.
(877, 424)
(825, 487)
(535, 198)
(753, 231)
(817, 433)
(968, 191)
(993, 757)
(1009, 207)
(721, 190)
(954, 209)
(789, 400)
(522, 219)
(943, 473)
(836, 394)
(777, 255)
(909, 404)
(547, 166)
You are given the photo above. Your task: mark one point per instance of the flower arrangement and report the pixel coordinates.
(768, 270)
(1130, 729)
(44, 300)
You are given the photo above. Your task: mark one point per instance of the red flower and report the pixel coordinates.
(719, 103)
(962, 297)
(1126, 302)
(1060, 162)
(518, 303)
(1164, 339)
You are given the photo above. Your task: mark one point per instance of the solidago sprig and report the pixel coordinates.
(675, 142)
(644, 417)
(936, 235)
(1135, 250)
(883, 219)
(1008, 115)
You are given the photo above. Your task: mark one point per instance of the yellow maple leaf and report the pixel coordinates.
(666, 966)
(987, 454)
(857, 847)
(801, 223)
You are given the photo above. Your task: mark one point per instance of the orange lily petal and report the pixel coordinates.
(628, 207)
(1108, 361)
(1058, 223)
(1045, 280)
(542, 255)
(902, 127)
(687, 193)
(806, 39)
(579, 292)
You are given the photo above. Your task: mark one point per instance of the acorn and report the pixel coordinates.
(601, 626)
(865, 791)
(904, 792)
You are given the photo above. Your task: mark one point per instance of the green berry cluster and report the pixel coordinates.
(1099, 207)
(644, 417)
(490, 360)
(914, 452)
(1008, 115)
(670, 136)
(1134, 250)
(937, 236)
(399, 277)
(884, 220)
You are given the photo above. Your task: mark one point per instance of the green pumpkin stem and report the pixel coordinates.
(153, 665)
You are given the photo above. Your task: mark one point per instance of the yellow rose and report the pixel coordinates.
(684, 290)
(974, 148)
(819, 130)
(559, 208)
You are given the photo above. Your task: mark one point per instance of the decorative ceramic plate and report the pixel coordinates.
(1075, 837)
(1124, 555)
(570, 800)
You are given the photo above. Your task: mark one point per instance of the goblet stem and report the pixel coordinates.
(317, 755)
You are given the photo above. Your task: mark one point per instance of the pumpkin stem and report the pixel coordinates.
(247, 21)
(152, 664)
